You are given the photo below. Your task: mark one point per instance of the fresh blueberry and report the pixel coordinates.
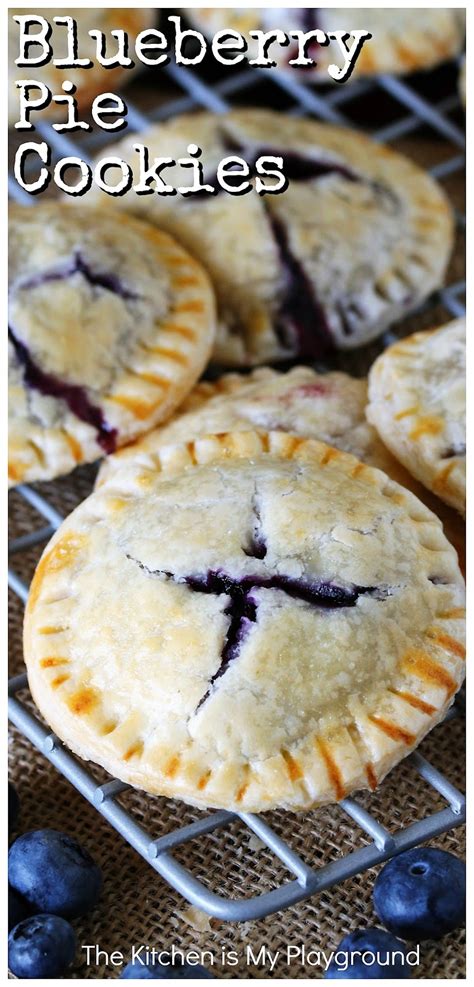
(18, 908)
(13, 806)
(421, 894)
(383, 954)
(41, 947)
(137, 970)
(54, 873)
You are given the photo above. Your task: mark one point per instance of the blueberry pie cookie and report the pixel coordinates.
(403, 40)
(89, 82)
(263, 621)
(110, 324)
(417, 394)
(358, 239)
(330, 407)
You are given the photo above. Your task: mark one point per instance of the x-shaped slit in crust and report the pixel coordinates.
(242, 609)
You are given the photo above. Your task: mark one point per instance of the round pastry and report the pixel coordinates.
(110, 325)
(417, 394)
(89, 82)
(330, 407)
(358, 239)
(263, 622)
(403, 40)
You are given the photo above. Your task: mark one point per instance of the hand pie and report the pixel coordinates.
(417, 403)
(110, 325)
(359, 238)
(263, 622)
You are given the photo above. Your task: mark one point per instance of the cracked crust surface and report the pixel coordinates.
(403, 40)
(417, 403)
(358, 239)
(262, 621)
(89, 82)
(330, 407)
(110, 324)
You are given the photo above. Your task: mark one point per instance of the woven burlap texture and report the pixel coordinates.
(137, 906)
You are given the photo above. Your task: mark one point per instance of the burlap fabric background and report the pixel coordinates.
(136, 905)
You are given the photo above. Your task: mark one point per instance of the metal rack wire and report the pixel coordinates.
(414, 111)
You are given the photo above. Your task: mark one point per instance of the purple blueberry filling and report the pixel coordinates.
(242, 607)
(458, 449)
(256, 547)
(301, 322)
(78, 265)
(297, 166)
(74, 395)
(321, 594)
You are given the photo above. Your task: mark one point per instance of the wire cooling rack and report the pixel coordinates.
(407, 110)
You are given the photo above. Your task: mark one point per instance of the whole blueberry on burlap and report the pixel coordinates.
(54, 873)
(421, 894)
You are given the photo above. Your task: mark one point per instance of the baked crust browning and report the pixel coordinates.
(358, 239)
(330, 407)
(417, 402)
(259, 620)
(111, 323)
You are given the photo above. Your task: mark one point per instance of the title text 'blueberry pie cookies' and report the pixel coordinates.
(90, 81)
(358, 239)
(264, 622)
(403, 40)
(417, 393)
(110, 324)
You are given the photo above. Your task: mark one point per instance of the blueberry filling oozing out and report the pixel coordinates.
(73, 395)
(297, 166)
(243, 607)
(458, 449)
(256, 547)
(78, 265)
(301, 323)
